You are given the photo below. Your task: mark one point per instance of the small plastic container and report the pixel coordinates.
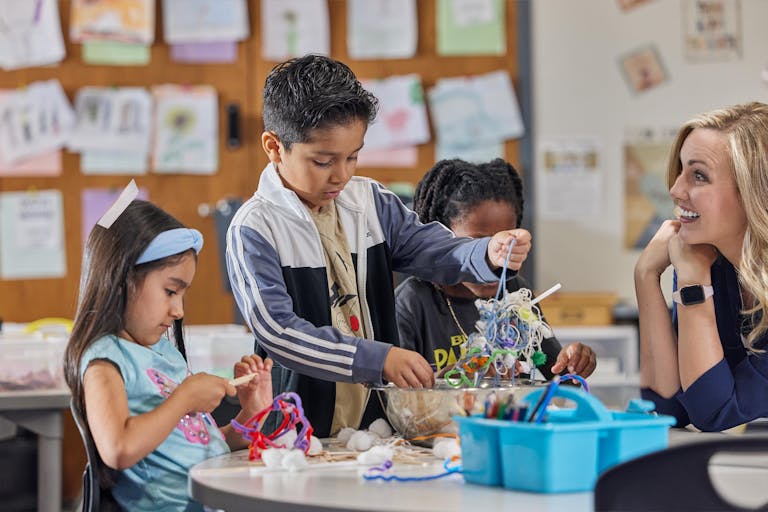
(216, 350)
(564, 454)
(31, 363)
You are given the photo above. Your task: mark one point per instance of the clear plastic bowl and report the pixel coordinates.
(424, 412)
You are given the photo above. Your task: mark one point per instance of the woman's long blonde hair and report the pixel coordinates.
(746, 129)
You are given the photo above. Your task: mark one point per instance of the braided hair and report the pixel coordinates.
(453, 188)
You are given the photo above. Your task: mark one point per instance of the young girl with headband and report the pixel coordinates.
(149, 418)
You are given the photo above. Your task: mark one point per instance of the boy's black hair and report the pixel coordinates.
(313, 92)
(452, 188)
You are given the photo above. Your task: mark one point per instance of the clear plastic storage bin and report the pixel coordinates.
(29, 363)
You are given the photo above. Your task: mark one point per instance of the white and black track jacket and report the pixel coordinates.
(277, 269)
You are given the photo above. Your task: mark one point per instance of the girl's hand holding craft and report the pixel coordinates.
(498, 248)
(203, 392)
(256, 394)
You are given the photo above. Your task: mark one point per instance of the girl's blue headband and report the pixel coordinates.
(173, 241)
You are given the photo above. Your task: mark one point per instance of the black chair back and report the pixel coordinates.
(95, 497)
(675, 479)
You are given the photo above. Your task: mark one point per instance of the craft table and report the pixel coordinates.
(41, 412)
(230, 482)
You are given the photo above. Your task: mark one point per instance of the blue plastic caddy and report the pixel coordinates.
(566, 453)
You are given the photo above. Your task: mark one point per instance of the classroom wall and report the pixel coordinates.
(241, 83)
(580, 91)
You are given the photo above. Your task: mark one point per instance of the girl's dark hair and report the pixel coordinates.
(108, 277)
(452, 188)
(311, 92)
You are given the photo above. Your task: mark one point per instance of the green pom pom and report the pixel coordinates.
(539, 358)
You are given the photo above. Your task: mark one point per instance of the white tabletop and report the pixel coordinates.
(233, 483)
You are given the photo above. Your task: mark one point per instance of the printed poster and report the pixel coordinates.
(647, 203)
(32, 235)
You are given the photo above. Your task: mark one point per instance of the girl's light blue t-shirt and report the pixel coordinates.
(158, 482)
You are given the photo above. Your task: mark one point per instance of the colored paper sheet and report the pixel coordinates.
(112, 53)
(471, 27)
(47, 164)
(476, 153)
(213, 52)
(114, 162)
(95, 202)
(393, 157)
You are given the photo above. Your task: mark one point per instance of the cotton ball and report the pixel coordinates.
(345, 434)
(315, 446)
(360, 441)
(272, 457)
(447, 449)
(381, 428)
(294, 460)
(288, 439)
(376, 456)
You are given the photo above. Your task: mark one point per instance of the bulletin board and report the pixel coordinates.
(240, 83)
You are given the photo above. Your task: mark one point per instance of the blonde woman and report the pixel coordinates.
(706, 364)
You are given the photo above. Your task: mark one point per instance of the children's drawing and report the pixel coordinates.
(402, 118)
(112, 119)
(481, 108)
(127, 21)
(34, 120)
(381, 29)
(30, 33)
(186, 130)
(292, 28)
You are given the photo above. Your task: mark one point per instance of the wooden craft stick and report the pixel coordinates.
(244, 379)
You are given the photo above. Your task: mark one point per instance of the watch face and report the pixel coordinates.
(690, 295)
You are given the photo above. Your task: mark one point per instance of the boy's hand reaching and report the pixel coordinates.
(256, 394)
(407, 369)
(498, 248)
(576, 358)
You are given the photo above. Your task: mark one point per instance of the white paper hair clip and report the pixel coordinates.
(128, 194)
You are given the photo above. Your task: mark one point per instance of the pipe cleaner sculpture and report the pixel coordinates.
(510, 329)
(293, 414)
